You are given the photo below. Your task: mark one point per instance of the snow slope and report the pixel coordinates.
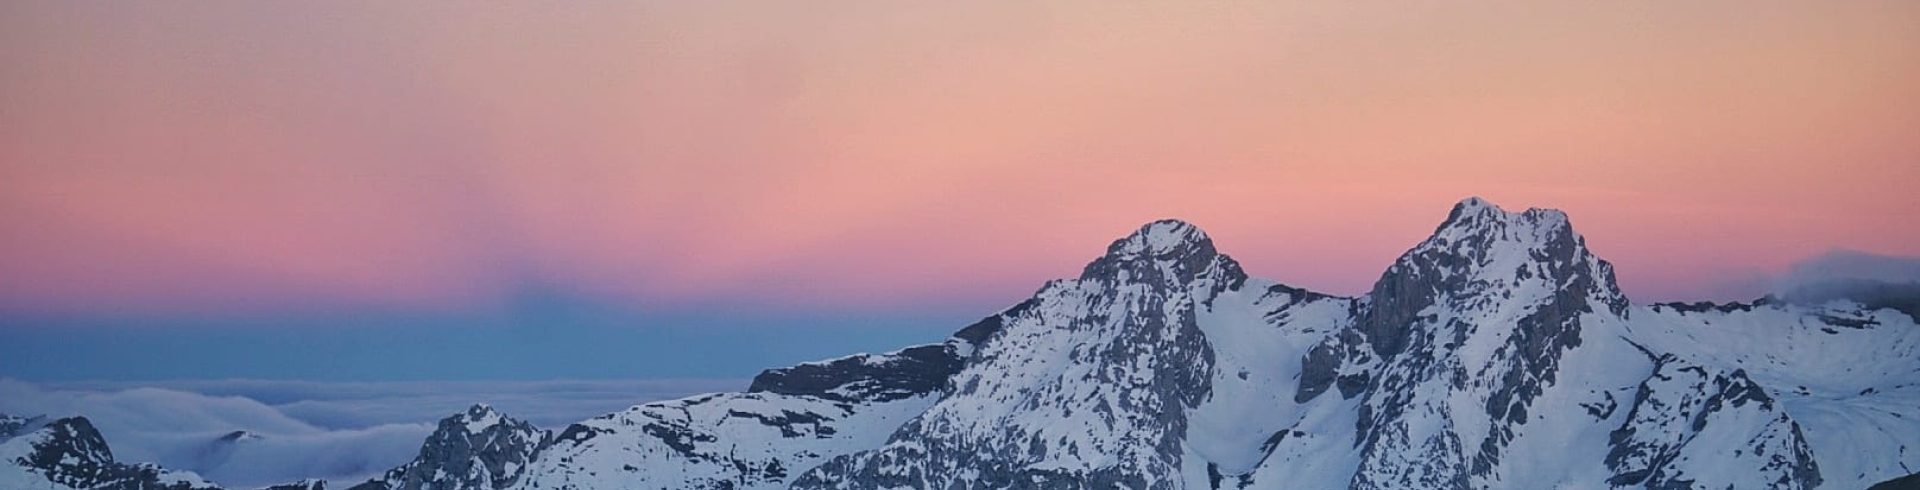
(1849, 376)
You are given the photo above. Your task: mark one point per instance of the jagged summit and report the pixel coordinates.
(479, 448)
(1483, 251)
(1475, 216)
(1477, 229)
(1479, 242)
(1162, 237)
(1478, 206)
(481, 414)
(73, 441)
(1471, 206)
(1167, 252)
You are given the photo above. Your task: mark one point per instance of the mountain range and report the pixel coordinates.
(1499, 353)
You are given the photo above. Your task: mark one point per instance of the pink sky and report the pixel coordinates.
(244, 156)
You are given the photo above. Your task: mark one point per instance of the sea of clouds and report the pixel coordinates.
(341, 431)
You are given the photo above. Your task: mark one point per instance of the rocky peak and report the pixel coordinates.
(1168, 253)
(1097, 374)
(1482, 311)
(71, 439)
(1481, 254)
(480, 416)
(479, 449)
(1474, 211)
(1477, 230)
(70, 451)
(1163, 237)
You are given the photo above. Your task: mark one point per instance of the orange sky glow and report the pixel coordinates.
(219, 156)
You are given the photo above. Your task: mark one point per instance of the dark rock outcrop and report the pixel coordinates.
(479, 449)
(900, 374)
(71, 452)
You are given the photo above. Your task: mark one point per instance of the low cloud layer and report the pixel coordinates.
(1850, 266)
(339, 431)
(1837, 273)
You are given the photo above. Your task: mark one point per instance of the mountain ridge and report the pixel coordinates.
(1497, 341)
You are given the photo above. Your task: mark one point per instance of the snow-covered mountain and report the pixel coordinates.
(1498, 353)
(478, 449)
(69, 454)
(791, 420)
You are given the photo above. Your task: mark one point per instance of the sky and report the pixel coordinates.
(370, 191)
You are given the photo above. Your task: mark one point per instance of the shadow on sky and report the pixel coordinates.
(539, 336)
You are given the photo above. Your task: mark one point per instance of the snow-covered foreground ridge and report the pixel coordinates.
(1498, 353)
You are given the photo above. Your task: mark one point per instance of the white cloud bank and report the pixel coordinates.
(344, 432)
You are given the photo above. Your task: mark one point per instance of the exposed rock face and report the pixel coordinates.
(1456, 340)
(1909, 482)
(1689, 426)
(72, 453)
(907, 373)
(477, 450)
